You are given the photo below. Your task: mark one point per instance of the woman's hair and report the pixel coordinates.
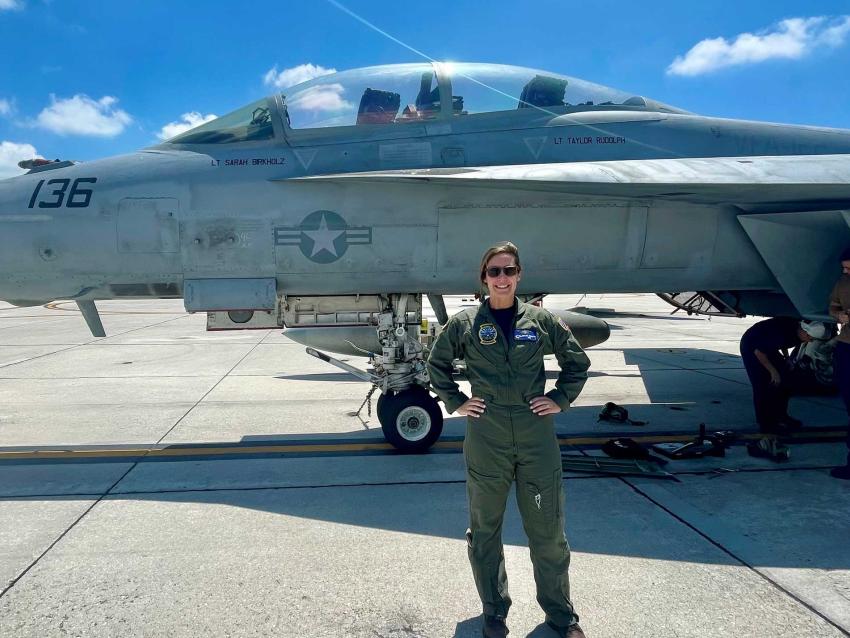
(498, 249)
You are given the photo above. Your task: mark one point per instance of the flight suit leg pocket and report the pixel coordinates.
(487, 498)
(558, 498)
(539, 501)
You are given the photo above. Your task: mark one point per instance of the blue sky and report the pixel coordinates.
(82, 79)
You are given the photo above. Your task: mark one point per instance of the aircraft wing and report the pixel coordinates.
(742, 181)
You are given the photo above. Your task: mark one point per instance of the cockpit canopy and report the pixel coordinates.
(401, 94)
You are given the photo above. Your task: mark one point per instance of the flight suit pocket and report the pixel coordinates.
(482, 488)
(487, 496)
(541, 505)
(527, 353)
(475, 475)
(557, 496)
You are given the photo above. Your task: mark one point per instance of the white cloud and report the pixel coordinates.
(6, 107)
(790, 39)
(188, 121)
(11, 4)
(835, 34)
(81, 115)
(295, 75)
(326, 97)
(12, 153)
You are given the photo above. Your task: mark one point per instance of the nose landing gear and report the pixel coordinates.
(410, 417)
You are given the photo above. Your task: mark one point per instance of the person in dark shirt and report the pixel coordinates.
(839, 308)
(762, 349)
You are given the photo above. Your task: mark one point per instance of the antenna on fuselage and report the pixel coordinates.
(37, 162)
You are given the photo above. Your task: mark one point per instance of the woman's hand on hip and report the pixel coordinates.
(541, 406)
(473, 407)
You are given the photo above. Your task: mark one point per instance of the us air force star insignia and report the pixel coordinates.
(487, 334)
(323, 236)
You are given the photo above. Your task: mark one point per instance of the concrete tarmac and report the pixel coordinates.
(166, 481)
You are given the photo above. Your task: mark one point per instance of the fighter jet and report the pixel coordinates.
(333, 207)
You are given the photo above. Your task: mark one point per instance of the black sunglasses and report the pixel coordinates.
(495, 271)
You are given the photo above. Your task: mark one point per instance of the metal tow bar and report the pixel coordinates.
(357, 372)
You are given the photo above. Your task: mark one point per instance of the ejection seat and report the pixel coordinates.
(427, 103)
(542, 91)
(378, 107)
(427, 99)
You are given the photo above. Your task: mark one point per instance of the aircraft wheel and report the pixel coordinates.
(411, 419)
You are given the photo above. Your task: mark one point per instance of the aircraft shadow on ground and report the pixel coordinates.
(711, 385)
(604, 515)
(684, 387)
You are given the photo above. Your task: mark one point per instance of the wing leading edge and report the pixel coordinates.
(743, 181)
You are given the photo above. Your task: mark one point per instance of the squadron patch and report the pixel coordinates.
(487, 334)
(525, 335)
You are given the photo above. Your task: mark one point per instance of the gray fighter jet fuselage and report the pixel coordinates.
(139, 225)
(393, 180)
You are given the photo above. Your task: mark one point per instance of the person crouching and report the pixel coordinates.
(763, 348)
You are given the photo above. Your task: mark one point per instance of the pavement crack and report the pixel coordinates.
(215, 385)
(735, 557)
(35, 562)
(180, 420)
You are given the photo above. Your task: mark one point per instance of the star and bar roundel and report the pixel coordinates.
(323, 236)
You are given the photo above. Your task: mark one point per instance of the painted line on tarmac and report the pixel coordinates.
(117, 453)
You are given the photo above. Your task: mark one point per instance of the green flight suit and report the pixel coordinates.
(509, 442)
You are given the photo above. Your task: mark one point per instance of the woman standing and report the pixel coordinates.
(510, 435)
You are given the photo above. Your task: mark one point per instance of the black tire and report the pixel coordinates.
(411, 419)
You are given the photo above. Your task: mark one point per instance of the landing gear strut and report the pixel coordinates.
(410, 417)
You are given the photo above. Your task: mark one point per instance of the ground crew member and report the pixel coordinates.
(761, 349)
(839, 308)
(510, 435)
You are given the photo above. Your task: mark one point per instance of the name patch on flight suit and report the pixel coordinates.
(487, 334)
(525, 335)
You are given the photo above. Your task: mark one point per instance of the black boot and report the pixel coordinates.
(494, 627)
